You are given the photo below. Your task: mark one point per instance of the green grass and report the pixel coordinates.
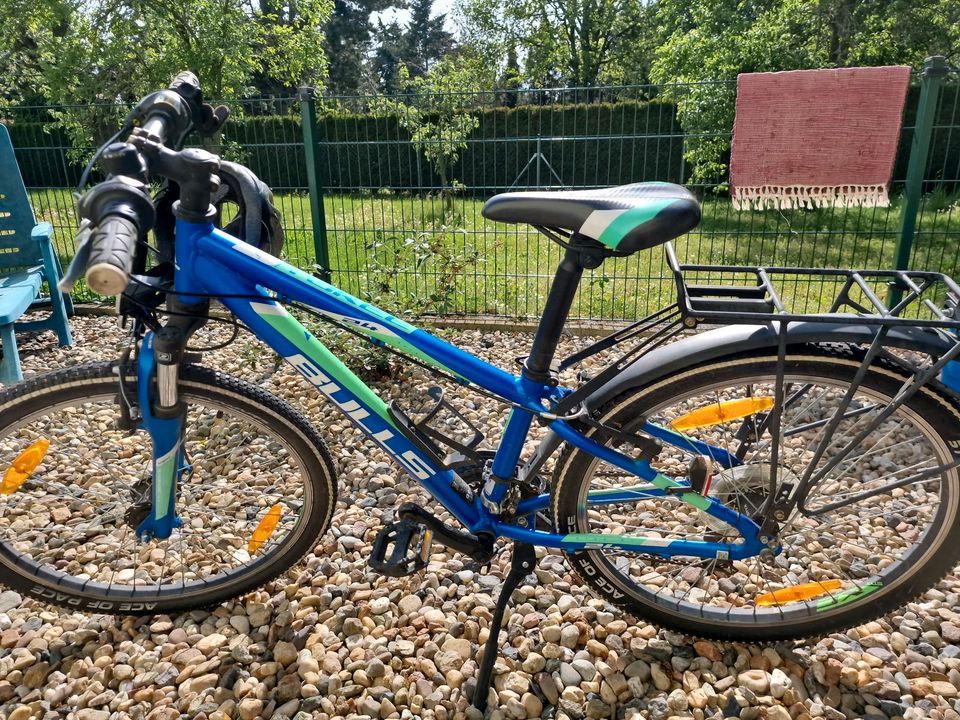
(513, 274)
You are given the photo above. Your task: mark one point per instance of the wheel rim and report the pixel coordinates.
(686, 590)
(70, 527)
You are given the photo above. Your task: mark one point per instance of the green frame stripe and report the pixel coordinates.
(323, 358)
(163, 478)
(601, 539)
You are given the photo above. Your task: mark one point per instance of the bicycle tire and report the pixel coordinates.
(939, 552)
(32, 398)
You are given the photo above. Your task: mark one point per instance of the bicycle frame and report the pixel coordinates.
(212, 262)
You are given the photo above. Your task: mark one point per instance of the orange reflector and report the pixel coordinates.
(425, 544)
(23, 467)
(807, 591)
(721, 412)
(265, 529)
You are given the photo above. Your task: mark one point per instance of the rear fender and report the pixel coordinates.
(676, 357)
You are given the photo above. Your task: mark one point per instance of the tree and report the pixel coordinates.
(347, 43)
(579, 43)
(706, 41)
(417, 47)
(28, 32)
(96, 55)
(436, 112)
(426, 40)
(510, 79)
(388, 57)
(106, 49)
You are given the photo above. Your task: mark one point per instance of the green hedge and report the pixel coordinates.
(943, 166)
(584, 144)
(41, 151)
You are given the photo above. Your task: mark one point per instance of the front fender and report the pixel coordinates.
(674, 358)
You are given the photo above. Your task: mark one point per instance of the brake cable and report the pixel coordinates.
(85, 175)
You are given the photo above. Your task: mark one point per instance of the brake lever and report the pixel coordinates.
(78, 265)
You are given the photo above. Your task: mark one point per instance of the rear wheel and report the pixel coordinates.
(877, 548)
(259, 490)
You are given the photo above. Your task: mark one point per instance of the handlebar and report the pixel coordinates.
(120, 208)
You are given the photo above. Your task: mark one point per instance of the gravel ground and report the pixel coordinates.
(332, 639)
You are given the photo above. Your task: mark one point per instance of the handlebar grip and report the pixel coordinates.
(111, 255)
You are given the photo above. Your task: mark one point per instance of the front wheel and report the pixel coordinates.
(877, 530)
(258, 489)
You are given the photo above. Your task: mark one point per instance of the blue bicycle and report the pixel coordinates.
(777, 476)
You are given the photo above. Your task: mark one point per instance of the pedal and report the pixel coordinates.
(401, 549)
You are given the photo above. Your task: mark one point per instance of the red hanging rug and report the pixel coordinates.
(816, 138)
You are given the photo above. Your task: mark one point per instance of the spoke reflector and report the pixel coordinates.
(797, 593)
(23, 467)
(721, 412)
(265, 529)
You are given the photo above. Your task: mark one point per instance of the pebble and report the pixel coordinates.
(569, 676)
(661, 680)
(284, 653)
(532, 705)
(250, 708)
(9, 599)
(779, 683)
(585, 668)
(534, 663)
(240, 623)
(548, 688)
(409, 604)
(569, 636)
(708, 650)
(210, 643)
(757, 681)
(677, 700)
(459, 646)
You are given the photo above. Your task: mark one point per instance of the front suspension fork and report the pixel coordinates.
(163, 416)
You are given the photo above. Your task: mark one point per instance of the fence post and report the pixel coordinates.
(934, 70)
(308, 125)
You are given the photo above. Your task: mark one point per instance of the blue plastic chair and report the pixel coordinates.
(27, 260)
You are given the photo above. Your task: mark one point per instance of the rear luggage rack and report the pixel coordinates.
(730, 295)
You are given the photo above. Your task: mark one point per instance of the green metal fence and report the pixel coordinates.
(363, 201)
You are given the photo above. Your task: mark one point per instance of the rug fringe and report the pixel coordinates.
(788, 197)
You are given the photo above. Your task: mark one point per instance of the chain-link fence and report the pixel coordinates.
(387, 193)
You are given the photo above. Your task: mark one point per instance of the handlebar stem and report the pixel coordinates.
(193, 169)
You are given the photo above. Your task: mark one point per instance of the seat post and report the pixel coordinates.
(564, 288)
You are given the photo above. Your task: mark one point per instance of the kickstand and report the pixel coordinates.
(521, 564)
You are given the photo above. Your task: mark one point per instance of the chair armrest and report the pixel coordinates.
(42, 231)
